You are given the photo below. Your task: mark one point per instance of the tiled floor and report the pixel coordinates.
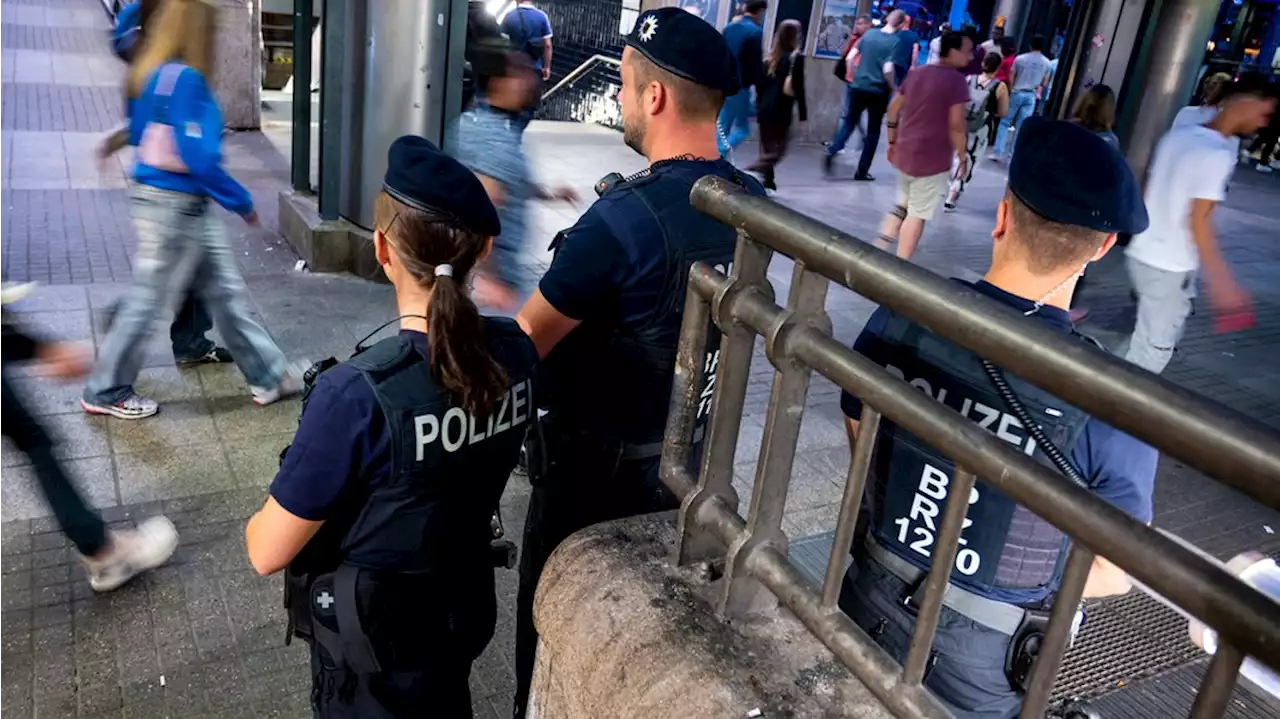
(203, 637)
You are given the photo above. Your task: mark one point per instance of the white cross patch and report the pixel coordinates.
(325, 600)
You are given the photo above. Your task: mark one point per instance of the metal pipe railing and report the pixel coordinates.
(578, 71)
(1228, 446)
(798, 341)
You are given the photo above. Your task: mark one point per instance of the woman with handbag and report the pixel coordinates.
(182, 245)
(781, 91)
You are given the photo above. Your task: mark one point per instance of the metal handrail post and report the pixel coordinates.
(806, 307)
(332, 48)
(301, 133)
(580, 70)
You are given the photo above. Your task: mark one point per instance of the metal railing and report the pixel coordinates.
(580, 70)
(1214, 439)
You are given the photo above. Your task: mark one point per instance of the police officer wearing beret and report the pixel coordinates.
(1069, 195)
(606, 316)
(380, 512)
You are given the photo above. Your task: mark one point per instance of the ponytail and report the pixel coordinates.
(457, 350)
(432, 251)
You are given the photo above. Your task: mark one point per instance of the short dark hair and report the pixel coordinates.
(991, 61)
(1036, 43)
(951, 41)
(1008, 47)
(755, 6)
(1050, 245)
(693, 101)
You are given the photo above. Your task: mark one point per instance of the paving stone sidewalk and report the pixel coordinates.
(204, 636)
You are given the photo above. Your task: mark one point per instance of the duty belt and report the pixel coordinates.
(1000, 616)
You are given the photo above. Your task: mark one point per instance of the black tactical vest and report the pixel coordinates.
(421, 538)
(1003, 545)
(613, 381)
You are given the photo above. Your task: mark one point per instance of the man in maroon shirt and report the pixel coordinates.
(926, 128)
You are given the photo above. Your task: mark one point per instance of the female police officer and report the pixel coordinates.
(381, 507)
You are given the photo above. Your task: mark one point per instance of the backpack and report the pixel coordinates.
(124, 36)
(978, 111)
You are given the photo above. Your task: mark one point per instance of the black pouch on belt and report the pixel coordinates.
(535, 451)
(1024, 648)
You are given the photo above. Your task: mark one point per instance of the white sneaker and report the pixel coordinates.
(1264, 169)
(14, 291)
(135, 406)
(130, 552)
(290, 384)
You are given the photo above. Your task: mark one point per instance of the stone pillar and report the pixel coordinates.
(626, 635)
(1177, 47)
(237, 74)
(1014, 13)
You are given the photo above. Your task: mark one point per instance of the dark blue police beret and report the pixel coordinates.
(426, 179)
(1068, 174)
(684, 45)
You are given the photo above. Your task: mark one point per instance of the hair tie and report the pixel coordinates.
(444, 270)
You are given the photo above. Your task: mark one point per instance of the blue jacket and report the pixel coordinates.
(745, 39)
(197, 131)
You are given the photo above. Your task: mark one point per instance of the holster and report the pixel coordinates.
(1024, 648)
(323, 609)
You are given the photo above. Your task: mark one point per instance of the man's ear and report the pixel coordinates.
(1107, 244)
(488, 247)
(1002, 221)
(656, 98)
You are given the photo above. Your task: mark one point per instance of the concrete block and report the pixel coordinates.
(327, 245)
(625, 634)
(237, 75)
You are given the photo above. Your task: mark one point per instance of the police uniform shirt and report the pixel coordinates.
(1118, 467)
(342, 448)
(595, 276)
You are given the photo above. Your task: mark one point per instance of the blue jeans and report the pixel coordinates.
(181, 245)
(734, 122)
(1021, 104)
(874, 104)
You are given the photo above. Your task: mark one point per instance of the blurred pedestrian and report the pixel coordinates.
(1027, 79)
(874, 79)
(1095, 111)
(190, 327)
(182, 244)
(1185, 182)
(529, 30)
(845, 68)
(110, 557)
(907, 50)
(490, 145)
(927, 128)
(782, 94)
(988, 102)
(745, 38)
(935, 45)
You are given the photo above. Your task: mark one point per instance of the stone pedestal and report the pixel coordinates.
(327, 246)
(623, 634)
(237, 75)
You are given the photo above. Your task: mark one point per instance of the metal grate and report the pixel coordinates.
(1172, 694)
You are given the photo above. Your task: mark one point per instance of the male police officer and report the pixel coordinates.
(1069, 194)
(606, 316)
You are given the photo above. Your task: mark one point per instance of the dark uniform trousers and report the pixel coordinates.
(429, 659)
(966, 669)
(586, 482)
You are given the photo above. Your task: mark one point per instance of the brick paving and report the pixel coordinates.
(203, 636)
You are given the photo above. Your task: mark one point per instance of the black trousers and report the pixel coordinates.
(585, 482)
(433, 633)
(78, 521)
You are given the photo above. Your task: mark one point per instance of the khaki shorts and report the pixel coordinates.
(920, 195)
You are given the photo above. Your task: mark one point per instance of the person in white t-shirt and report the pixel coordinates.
(1212, 90)
(1186, 180)
(935, 45)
